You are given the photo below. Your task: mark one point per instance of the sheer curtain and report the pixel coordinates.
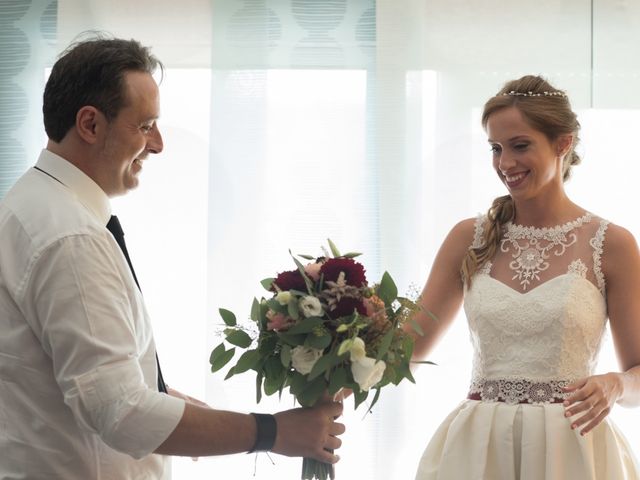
(289, 122)
(27, 44)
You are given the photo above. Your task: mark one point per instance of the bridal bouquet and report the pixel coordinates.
(322, 329)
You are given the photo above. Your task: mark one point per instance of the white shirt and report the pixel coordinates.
(78, 391)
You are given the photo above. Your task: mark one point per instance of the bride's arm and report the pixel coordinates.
(594, 397)
(621, 266)
(442, 294)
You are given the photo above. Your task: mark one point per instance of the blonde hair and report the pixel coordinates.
(549, 114)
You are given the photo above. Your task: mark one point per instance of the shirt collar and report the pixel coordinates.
(84, 188)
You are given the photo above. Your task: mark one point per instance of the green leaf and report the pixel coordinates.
(230, 373)
(219, 350)
(416, 327)
(359, 396)
(389, 376)
(307, 280)
(387, 289)
(318, 341)
(239, 338)
(323, 364)
(274, 305)
(267, 343)
(255, 311)
(424, 362)
(338, 379)
(407, 347)
(273, 367)
(221, 359)
(292, 309)
(385, 343)
(274, 384)
(334, 249)
(293, 340)
(247, 361)
(314, 390)
(407, 373)
(306, 257)
(285, 356)
(345, 346)
(375, 399)
(403, 371)
(266, 283)
(259, 378)
(297, 383)
(275, 375)
(228, 316)
(298, 293)
(352, 254)
(305, 326)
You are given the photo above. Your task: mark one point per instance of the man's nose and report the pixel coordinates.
(155, 145)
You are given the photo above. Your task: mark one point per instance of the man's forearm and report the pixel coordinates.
(203, 431)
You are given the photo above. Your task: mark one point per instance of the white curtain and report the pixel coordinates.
(289, 122)
(27, 43)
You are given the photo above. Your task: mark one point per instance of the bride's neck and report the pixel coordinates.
(540, 213)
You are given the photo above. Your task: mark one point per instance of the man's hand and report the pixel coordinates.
(310, 432)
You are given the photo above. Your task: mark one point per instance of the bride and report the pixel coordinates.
(538, 276)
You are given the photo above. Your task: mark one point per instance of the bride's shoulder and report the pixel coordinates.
(468, 226)
(614, 236)
(464, 232)
(472, 227)
(619, 239)
(620, 257)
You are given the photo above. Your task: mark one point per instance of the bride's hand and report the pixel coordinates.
(594, 396)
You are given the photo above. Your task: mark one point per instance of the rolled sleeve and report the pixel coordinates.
(114, 402)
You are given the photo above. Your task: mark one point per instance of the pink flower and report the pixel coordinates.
(313, 271)
(375, 308)
(278, 321)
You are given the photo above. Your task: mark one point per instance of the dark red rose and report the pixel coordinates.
(353, 271)
(346, 306)
(291, 280)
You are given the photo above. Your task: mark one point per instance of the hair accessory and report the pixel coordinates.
(557, 93)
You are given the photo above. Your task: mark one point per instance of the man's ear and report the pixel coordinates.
(564, 144)
(88, 123)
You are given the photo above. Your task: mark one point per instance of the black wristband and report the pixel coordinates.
(266, 430)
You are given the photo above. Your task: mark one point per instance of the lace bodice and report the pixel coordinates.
(537, 311)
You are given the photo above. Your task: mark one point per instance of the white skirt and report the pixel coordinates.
(497, 441)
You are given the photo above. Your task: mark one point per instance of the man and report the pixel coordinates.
(78, 372)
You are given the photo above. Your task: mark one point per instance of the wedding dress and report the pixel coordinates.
(537, 316)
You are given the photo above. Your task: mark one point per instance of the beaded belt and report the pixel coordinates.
(515, 391)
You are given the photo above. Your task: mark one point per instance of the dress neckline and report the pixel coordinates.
(517, 230)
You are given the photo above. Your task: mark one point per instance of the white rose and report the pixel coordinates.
(283, 298)
(310, 306)
(357, 350)
(304, 358)
(367, 372)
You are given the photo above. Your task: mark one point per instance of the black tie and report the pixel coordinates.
(116, 230)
